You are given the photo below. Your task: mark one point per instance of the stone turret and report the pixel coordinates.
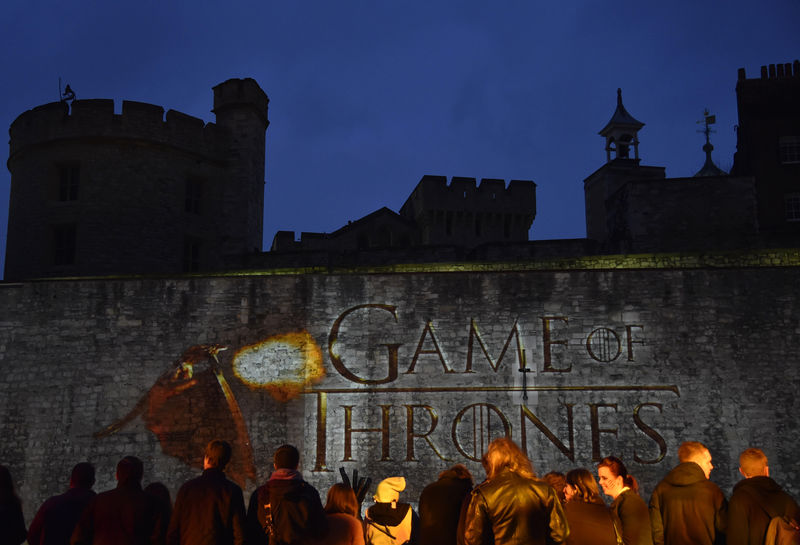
(99, 193)
(240, 107)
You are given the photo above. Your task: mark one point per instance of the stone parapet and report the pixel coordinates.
(95, 118)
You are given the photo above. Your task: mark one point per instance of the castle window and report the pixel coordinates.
(507, 226)
(792, 201)
(64, 237)
(194, 194)
(789, 147)
(448, 223)
(68, 180)
(477, 225)
(191, 254)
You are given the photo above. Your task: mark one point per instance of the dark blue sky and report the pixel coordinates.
(367, 97)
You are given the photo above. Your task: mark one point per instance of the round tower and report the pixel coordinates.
(98, 193)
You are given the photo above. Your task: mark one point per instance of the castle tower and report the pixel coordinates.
(768, 145)
(240, 107)
(98, 193)
(599, 189)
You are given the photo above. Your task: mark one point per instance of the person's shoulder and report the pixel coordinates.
(232, 486)
(631, 499)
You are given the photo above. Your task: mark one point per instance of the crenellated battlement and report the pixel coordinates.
(95, 118)
(775, 71)
(463, 193)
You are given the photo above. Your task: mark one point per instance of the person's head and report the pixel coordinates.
(286, 457)
(556, 480)
(130, 470)
(694, 451)
(341, 499)
(159, 491)
(614, 478)
(458, 471)
(581, 486)
(217, 454)
(82, 476)
(753, 463)
(388, 490)
(502, 454)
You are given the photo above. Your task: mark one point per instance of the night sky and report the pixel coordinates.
(367, 97)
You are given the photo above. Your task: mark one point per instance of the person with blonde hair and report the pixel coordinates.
(590, 521)
(756, 499)
(629, 510)
(342, 512)
(513, 507)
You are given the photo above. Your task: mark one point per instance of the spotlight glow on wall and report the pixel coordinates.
(284, 364)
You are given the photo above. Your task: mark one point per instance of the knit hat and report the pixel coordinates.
(389, 490)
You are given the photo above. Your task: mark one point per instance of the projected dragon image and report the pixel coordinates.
(193, 403)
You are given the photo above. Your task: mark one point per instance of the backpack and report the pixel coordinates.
(782, 531)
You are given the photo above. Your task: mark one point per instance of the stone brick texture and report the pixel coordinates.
(627, 358)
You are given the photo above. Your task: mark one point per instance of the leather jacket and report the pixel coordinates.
(514, 510)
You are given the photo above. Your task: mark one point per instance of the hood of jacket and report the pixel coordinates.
(760, 486)
(685, 474)
(387, 514)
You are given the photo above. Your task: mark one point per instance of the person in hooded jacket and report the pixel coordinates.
(388, 521)
(755, 500)
(685, 507)
(286, 510)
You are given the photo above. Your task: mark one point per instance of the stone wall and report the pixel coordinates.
(404, 372)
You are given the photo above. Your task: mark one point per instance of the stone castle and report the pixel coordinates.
(97, 193)
(94, 193)
(401, 343)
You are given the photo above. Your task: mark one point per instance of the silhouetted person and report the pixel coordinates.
(209, 509)
(341, 512)
(513, 507)
(629, 510)
(557, 481)
(286, 510)
(590, 521)
(756, 500)
(122, 516)
(440, 506)
(56, 518)
(160, 494)
(12, 523)
(686, 508)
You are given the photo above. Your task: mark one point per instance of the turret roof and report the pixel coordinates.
(621, 118)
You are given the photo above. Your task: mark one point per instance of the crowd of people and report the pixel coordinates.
(512, 506)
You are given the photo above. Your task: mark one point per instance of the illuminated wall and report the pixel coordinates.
(403, 372)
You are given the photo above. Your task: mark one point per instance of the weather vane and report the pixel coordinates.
(67, 95)
(708, 119)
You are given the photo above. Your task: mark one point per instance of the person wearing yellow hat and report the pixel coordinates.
(389, 521)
